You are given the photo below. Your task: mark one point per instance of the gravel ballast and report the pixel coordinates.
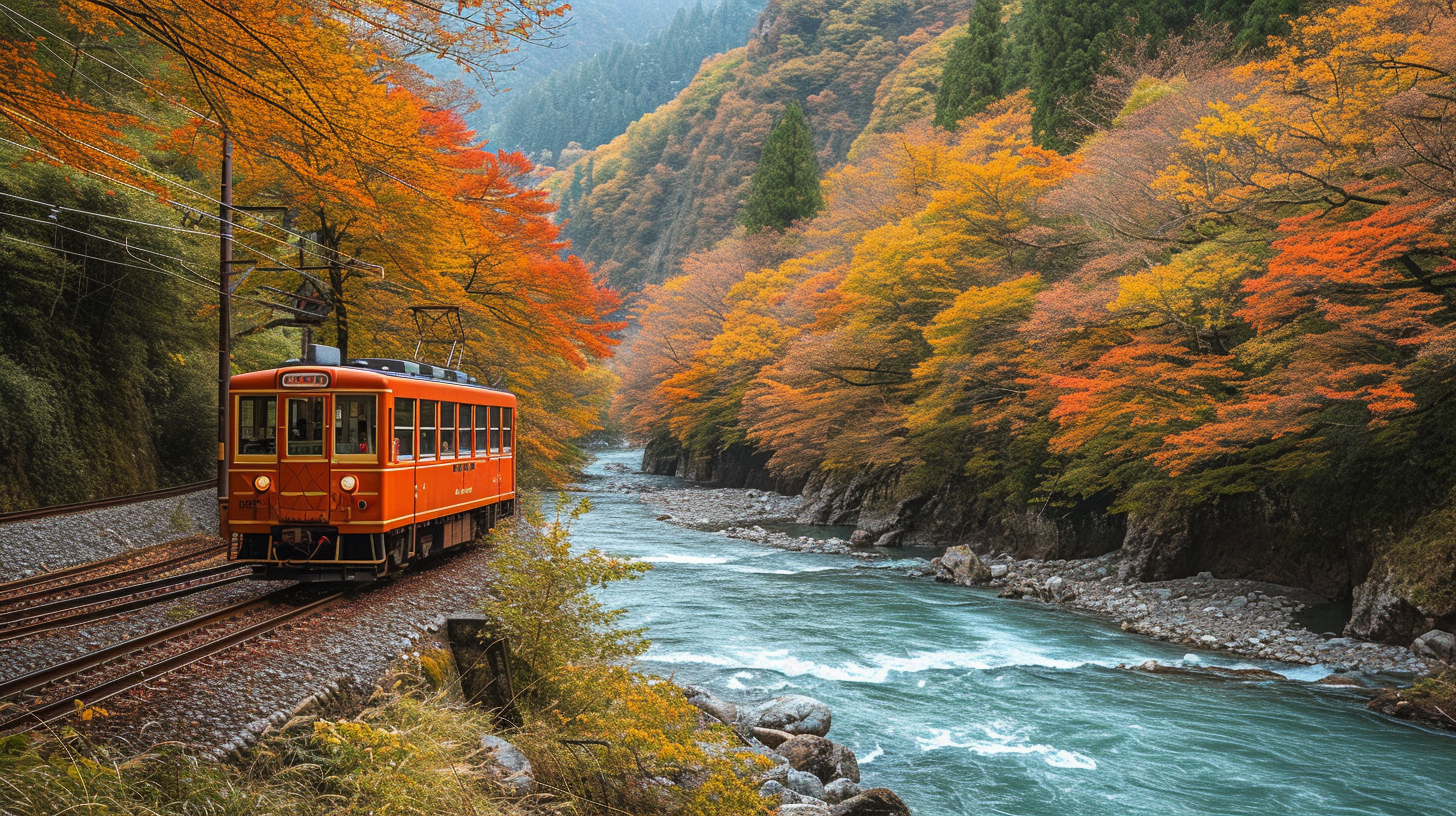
(56, 542)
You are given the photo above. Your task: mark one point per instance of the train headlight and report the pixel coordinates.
(262, 483)
(348, 484)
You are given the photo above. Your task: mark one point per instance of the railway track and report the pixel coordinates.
(44, 707)
(31, 620)
(34, 590)
(63, 509)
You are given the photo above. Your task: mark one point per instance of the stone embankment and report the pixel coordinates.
(811, 775)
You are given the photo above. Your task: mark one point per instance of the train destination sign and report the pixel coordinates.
(317, 379)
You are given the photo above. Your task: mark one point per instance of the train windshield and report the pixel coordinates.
(306, 426)
(354, 424)
(257, 424)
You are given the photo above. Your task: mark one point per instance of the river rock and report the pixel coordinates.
(873, 802)
(1436, 644)
(824, 758)
(771, 737)
(806, 783)
(861, 538)
(508, 766)
(801, 809)
(840, 790)
(958, 565)
(714, 707)
(793, 713)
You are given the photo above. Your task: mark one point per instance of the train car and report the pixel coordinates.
(352, 472)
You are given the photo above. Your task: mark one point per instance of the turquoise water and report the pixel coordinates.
(964, 703)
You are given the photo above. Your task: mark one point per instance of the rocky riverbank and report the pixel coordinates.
(1249, 618)
(811, 774)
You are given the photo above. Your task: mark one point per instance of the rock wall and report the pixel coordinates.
(878, 503)
(737, 466)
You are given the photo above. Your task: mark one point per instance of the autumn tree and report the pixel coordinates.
(972, 78)
(785, 186)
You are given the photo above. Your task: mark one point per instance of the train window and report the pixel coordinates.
(494, 429)
(428, 410)
(506, 429)
(482, 430)
(404, 428)
(306, 426)
(354, 425)
(447, 429)
(465, 426)
(257, 426)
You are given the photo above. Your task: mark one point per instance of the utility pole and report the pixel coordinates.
(224, 325)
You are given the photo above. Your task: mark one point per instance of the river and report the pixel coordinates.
(964, 703)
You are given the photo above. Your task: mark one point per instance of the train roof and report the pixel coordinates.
(321, 358)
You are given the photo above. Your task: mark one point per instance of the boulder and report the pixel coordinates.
(771, 737)
(873, 802)
(823, 758)
(1435, 644)
(840, 790)
(802, 809)
(508, 766)
(703, 700)
(861, 538)
(793, 713)
(805, 783)
(1382, 612)
(958, 565)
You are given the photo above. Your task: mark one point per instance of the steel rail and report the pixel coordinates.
(63, 509)
(30, 626)
(47, 712)
(157, 566)
(66, 668)
(64, 604)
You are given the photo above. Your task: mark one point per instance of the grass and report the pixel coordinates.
(415, 750)
(180, 521)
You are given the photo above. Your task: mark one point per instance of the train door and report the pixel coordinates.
(303, 460)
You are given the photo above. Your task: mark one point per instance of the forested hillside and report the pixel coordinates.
(595, 100)
(591, 26)
(672, 184)
(110, 150)
(1172, 285)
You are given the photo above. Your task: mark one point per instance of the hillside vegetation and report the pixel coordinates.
(111, 126)
(1194, 302)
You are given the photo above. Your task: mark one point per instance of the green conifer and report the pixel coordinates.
(1264, 19)
(1069, 41)
(973, 76)
(785, 187)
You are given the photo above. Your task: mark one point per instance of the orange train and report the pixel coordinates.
(352, 472)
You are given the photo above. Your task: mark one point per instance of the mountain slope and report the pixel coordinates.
(673, 183)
